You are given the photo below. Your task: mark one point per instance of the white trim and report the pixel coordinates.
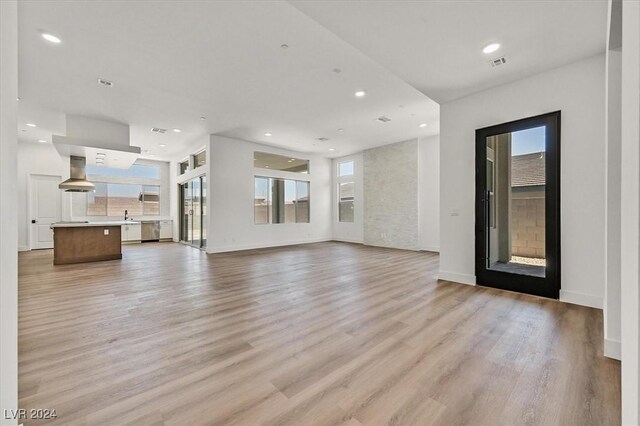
(431, 248)
(457, 278)
(612, 349)
(347, 240)
(264, 245)
(583, 299)
(24, 248)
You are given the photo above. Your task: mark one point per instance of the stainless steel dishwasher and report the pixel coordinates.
(150, 230)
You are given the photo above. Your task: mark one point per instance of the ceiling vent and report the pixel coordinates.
(383, 119)
(498, 62)
(158, 130)
(105, 82)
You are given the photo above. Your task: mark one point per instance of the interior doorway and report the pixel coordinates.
(193, 214)
(518, 205)
(45, 202)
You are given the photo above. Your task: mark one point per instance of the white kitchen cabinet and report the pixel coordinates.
(166, 229)
(131, 232)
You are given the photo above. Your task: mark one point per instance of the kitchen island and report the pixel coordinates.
(81, 242)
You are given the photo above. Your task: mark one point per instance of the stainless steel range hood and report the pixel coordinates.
(78, 176)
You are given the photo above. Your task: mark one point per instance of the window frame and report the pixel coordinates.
(269, 203)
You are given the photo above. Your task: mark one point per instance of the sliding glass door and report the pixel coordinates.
(193, 214)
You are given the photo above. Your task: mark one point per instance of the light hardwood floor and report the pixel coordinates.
(327, 333)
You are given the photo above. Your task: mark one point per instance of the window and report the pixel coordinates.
(346, 193)
(141, 171)
(133, 189)
(346, 168)
(265, 160)
(97, 201)
(121, 197)
(200, 159)
(280, 201)
(184, 167)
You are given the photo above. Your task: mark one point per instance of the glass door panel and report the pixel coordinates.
(516, 202)
(203, 199)
(196, 216)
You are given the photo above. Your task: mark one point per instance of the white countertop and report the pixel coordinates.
(86, 224)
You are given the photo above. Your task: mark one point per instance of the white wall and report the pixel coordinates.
(231, 191)
(8, 216)
(630, 213)
(612, 296)
(349, 231)
(429, 192)
(578, 91)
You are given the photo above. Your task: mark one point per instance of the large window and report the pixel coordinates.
(117, 190)
(280, 200)
(346, 192)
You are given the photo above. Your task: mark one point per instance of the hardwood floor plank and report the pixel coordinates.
(326, 333)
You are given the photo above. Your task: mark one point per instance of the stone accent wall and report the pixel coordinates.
(527, 225)
(391, 196)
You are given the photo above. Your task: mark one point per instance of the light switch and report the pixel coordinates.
(106, 232)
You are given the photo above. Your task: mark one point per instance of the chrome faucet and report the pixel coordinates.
(126, 214)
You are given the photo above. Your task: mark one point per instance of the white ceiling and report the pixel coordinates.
(436, 46)
(173, 62)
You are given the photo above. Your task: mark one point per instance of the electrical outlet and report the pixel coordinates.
(106, 232)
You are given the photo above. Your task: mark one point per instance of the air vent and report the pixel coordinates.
(323, 139)
(383, 119)
(158, 130)
(105, 82)
(498, 62)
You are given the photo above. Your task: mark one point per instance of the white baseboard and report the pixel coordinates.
(612, 349)
(457, 278)
(431, 248)
(581, 299)
(226, 249)
(347, 240)
(23, 248)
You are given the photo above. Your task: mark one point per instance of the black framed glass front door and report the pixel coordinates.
(518, 205)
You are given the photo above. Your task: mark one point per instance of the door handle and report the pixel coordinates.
(34, 221)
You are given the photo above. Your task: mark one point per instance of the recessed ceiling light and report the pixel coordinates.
(163, 145)
(284, 46)
(341, 130)
(51, 38)
(268, 134)
(177, 130)
(292, 159)
(332, 149)
(490, 48)
(337, 70)
(42, 141)
(203, 118)
(31, 125)
(360, 93)
(18, 98)
(322, 139)
(267, 166)
(105, 82)
(423, 125)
